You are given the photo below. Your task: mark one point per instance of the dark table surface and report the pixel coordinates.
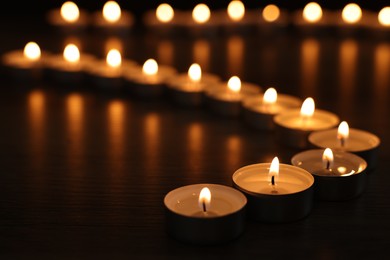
(84, 172)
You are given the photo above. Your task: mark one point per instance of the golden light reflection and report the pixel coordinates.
(201, 53)
(36, 115)
(165, 52)
(113, 43)
(234, 152)
(152, 135)
(75, 111)
(310, 52)
(347, 74)
(116, 133)
(382, 68)
(235, 52)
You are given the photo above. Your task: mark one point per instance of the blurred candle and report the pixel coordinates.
(312, 12)
(235, 52)
(165, 52)
(201, 13)
(112, 19)
(116, 115)
(310, 52)
(70, 12)
(111, 11)
(351, 13)
(74, 107)
(164, 13)
(236, 10)
(201, 53)
(37, 131)
(384, 16)
(271, 13)
(69, 17)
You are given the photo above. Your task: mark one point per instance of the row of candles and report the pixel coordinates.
(201, 18)
(269, 192)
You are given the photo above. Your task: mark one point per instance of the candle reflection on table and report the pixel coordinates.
(381, 80)
(165, 52)
(233, 152)
(347, 75)
(310, 54)
(36, 116)
(75, 116)
(195, 143)
(116, 135)
(151, 141)
(235, 55)
(201, 53)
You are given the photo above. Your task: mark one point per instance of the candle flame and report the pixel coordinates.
(327, 159)
(271, 13)
(165, 13)
(270, 96)
(308, 107)
(234, 84)
(150, 67)
(32, 51)
(312, 12)
(71, 53)
(201, 13)
(351, 13)
(114, 58)
(195, 73)
(112, 11)
(236, 10)
(384, 16)
(343, 132)
(70, 12)
(274, 171)
(204, 199)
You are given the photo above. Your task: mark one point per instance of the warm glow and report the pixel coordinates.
(274, 171)
(112, 11)
(327, 159)
(234, 84)
(150, 67)
(32, 51)
(343, 132)
(71, 53)
(114, 58)
(201, 13)
(384, 16)
(312, 12)
(164, 13)
(236, 10)
(308, 107)
(352, 13)
(271, 13)
(204, 199)
(195, 72)
(270, 96)
(70, 12)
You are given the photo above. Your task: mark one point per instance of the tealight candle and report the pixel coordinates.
(349, 20)
(205, 213)
(294, 126)
(313, 17)
(150, 80)
(164, 19)
(377, 23)
(275, 192)
(112, 19)
(24, 64)
(107, 74)
(272, 17)
(188, 89)
(259, 111)
(69, 17)
(200, 21)
(68, 67)
(338, 175)
(225, 98)
(359, 142)
(236, 18)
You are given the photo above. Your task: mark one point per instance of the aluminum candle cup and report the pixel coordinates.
(188, 90)
(225, 99)
(344, 179)
(218, 220)
(145, 85)
(289, 200)
(359, 142)
(69, 18)
(260, 114)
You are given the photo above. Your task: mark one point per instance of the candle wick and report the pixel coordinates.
(342, 141)
(204, 206)
(273, 180)
(328, 165)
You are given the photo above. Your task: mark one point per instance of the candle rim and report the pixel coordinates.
(213, 187)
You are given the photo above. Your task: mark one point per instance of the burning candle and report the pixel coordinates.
(107, 74)
(205, 213)
(164, 19)
(260, 110)
(338, 175)
(275, 192)
(313, 17)
(359, 142)
(236, 18)
(69, 17)
(225, 98)
(112, 19)
(384, 16)
(272, 17)
(68, 67)
(351, 14)
(150, 80)
(188, 89)
(200, 21)
(24, 64)
(294, 126)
